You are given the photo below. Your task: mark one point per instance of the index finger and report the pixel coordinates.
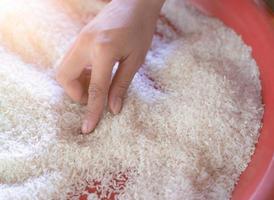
(98, 90)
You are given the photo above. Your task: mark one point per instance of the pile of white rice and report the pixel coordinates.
(188, 128)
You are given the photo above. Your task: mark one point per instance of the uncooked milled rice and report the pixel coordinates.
(187, 130)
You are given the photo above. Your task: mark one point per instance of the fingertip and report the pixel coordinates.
(84, 99)
(115, 105)
(88, 126)
(85, 127)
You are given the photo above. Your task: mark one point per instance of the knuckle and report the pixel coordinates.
(120, 88)
(91, 113)
(60, 78)
(84, 37)
(138, 60)
(77, 98)
(103, 42)
(141, 60)
(123, 85)
(95, 92)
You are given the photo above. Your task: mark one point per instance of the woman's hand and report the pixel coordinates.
(121, 32)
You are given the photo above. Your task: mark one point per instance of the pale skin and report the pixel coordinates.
(121, 32)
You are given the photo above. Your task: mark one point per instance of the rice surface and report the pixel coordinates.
(187, 130)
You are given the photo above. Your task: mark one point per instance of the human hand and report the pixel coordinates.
(121, 32)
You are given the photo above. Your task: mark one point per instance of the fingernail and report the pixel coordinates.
(86, 127)
(117, 105)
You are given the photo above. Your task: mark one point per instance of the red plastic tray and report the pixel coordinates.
(253, 21)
